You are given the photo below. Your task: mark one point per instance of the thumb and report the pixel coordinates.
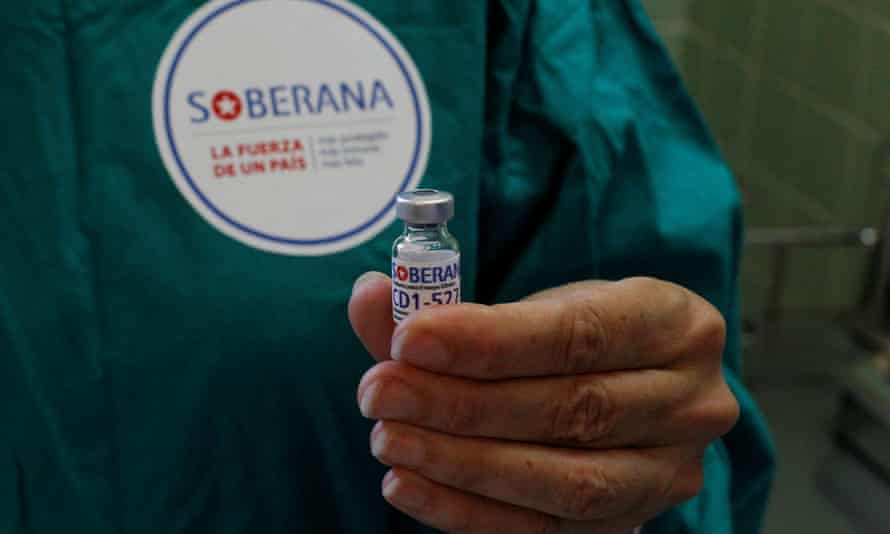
(370, 313)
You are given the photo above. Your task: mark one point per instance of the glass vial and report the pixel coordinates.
(425, 258)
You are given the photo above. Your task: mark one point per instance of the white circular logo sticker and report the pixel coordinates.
(291, 125)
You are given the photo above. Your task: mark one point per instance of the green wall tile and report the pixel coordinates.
(847, 270)
(723, 109)
(696, 68)
(736, 24)
(732, 22)
(867, 189)
(773, 147)
(876, 7)
(874, 105)
(800, 146)
(804, 288)
(770, 203)
(707, 14)
(806, 280)
(659, 9)
(816, 279)
(782, 47)
(831, 55)
(808, 165)
(754, 279)
(877, 172)
(698, 72)
(819, 158)
(676, 45)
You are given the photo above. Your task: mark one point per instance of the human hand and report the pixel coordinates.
(582, 409)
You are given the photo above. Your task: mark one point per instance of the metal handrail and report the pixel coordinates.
(782, 239)
(812, 236)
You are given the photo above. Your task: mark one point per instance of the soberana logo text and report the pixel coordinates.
(283, 101)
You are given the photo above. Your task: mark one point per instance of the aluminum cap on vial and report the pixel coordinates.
(425, 206)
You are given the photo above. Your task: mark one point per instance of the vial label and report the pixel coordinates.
(421, 284)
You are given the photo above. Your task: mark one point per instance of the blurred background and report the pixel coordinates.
(797, 93)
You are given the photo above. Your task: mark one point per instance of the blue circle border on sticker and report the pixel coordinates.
(251, 231)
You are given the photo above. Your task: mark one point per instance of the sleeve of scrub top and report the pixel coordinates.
(599, 165)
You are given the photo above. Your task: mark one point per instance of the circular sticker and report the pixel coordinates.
(291, 125)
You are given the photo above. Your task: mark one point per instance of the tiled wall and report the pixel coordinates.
(798, 94)
(672, 21)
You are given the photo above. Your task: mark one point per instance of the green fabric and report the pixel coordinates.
(157, 376)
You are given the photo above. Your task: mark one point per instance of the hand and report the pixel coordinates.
(583, 409)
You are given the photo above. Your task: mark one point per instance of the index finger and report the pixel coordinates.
(582, 328)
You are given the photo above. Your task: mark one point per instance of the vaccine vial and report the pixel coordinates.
(425, 258)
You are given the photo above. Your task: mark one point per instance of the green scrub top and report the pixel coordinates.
(157, 376)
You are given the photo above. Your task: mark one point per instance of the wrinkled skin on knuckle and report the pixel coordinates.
(487, 356)
(672, 300)
(586, 416)
(466, 414)
(588, 494)
(713, 409)
(733, 412)
(643, 284)
(664, 314)
(711, 413)
(706, 336)
(461, 468)
(721, 412)
(584, 335)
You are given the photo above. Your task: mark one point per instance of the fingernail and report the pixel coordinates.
(394, 401)
(426, 352)
(387, 480)
(405, 496)
(368, 396)
(365, 278)
(402, 449)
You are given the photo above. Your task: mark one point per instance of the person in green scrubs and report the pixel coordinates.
(157, 376)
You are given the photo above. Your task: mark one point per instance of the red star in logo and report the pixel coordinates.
(402, 273)
(227, 105)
